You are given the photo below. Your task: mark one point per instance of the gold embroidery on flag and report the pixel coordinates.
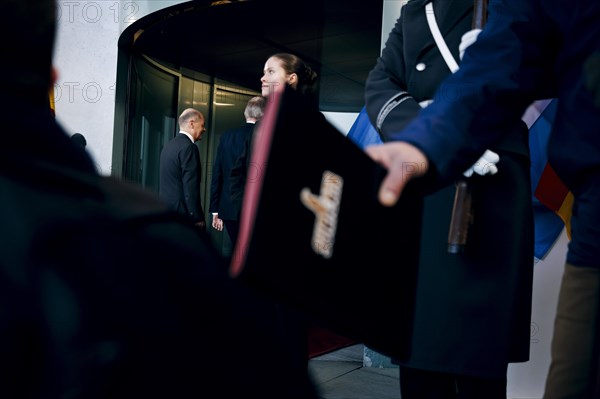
(326, 207)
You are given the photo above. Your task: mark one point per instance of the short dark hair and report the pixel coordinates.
(27, 34)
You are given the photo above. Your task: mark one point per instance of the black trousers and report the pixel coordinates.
(233, 228)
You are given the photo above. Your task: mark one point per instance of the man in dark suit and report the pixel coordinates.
(104, 291)
(231, 146)
(180, 168)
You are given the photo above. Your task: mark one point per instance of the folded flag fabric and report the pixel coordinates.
(326, 263)
(552, 200)
(552, 192)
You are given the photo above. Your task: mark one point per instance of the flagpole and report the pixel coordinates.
(462, 212)
(479, 13)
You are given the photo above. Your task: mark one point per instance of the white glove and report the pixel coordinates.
(467, 39)
(425, 103)
(486, 165)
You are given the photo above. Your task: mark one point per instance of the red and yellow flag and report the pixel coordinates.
(553, 193)
(552, 201)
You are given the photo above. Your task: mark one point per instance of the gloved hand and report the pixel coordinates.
(467, 39)
(425, 103)
(486, 165)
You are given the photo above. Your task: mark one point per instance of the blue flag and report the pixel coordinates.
(363, 132)
(548, 224)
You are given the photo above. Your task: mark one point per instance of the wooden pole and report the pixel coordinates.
(479, 14)
(462, 212)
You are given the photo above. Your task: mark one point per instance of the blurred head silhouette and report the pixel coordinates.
(79, 139)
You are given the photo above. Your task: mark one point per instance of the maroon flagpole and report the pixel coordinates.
(462, 212)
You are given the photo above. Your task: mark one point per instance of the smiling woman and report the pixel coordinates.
(285, 69)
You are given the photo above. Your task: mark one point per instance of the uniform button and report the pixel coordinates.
(420, 66)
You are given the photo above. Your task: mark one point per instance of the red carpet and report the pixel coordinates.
(322, 341)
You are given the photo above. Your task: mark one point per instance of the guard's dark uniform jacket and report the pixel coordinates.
(473, 310)
(529, 50)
